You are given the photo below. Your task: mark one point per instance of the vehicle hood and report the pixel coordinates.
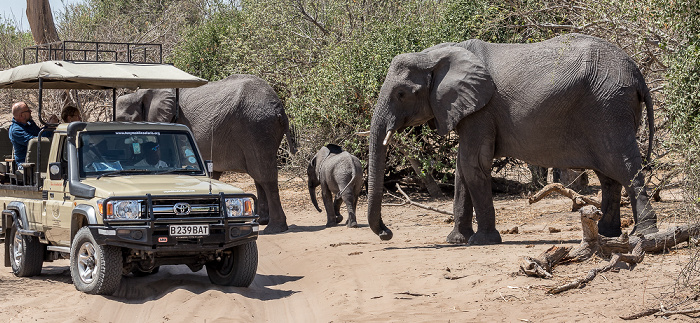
(135, 185)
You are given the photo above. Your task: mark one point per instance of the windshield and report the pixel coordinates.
(150, 152)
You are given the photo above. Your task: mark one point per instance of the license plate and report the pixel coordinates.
(189, 230)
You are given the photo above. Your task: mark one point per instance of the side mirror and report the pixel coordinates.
(210, 167)
(55, 171)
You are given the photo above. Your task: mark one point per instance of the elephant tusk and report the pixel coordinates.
(387, 138)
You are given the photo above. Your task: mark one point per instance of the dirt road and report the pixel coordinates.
(316, 274)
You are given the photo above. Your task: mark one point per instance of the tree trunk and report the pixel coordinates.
(41, 22)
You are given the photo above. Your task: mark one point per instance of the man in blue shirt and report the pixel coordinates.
(23, 129)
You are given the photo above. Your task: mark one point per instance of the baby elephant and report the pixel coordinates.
(339, 173)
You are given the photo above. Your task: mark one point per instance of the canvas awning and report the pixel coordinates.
(96, 75)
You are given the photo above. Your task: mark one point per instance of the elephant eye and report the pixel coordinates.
(400, 94)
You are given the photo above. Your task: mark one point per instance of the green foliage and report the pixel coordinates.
(204, 51)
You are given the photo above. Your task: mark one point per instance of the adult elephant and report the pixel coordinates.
(238, 123)
(573, 101)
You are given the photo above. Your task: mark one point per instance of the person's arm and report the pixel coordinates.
(21, 136)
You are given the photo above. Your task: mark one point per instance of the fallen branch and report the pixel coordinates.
(666, 239)
(689, 311)
(408, 200)
(659, 312)
(616, 248)
(640, 314)
(542, 265)
(579, 200)
(636, 257)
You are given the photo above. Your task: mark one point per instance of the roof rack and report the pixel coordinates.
(93, 51)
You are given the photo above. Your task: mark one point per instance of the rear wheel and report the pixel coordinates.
(95, 269)
(237, 266)
(26, 253)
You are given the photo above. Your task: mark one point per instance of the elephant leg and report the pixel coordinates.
(336, 207)
(263, 206)
(329, 205)
(278, 220)
(216, 175)
(609, 224)
(644, 215)
(478, 181)
(351, 204)
(463, 211)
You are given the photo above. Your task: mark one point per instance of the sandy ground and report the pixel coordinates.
(316, 274)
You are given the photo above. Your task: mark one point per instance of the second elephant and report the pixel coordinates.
(339, 174)
(238, 123)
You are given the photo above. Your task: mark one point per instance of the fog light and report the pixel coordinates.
(234, 232)
(136, 235)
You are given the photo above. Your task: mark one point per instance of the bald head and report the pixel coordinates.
(21, 112)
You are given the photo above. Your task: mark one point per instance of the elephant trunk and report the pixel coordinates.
(312, 193)
(375, 181)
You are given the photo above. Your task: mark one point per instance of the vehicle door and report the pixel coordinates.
(59, 203)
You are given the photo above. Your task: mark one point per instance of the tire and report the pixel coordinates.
(95, 269)
(237, 267)
(26, 253)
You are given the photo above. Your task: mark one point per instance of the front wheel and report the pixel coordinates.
(95, 269)
(237, 266)
(26, 253)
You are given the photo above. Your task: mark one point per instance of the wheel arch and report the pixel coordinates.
(83, 215)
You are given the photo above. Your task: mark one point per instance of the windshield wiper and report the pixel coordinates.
(177, 170)
(121, 171)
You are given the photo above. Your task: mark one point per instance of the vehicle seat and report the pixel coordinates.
(29, 164)
(5, 152)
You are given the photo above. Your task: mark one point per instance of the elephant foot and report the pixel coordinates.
(645, 228)
(351, 224)
(331, 224)
(275, 228)
(609, 232)
(458, 237)
(485, 238)
(338, 218)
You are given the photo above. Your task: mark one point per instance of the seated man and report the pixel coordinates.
(151, 153)
(24, 129)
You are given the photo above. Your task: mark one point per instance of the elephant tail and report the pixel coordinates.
(649, 103)
(288, 132)
(352, 180)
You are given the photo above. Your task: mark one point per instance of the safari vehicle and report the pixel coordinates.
(119, 198)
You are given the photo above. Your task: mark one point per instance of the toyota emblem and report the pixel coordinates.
(181, 208)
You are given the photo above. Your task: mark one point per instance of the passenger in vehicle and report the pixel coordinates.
(70, 113)
(151, 152)
(23, 129)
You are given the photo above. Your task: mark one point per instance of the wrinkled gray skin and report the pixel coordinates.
(339, 174)
(573, 101)
(238, 123)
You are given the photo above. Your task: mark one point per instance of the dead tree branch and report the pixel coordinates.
(578, 199)
(636, 257)
(594, 244)
(427, 207)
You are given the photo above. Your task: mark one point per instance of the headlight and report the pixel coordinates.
(121, 210)
(239, 206)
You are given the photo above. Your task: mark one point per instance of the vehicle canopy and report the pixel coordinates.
(95, 66)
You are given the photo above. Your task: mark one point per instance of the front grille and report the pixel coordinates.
(163, 209)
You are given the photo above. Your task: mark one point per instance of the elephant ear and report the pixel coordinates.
(461, 86)
(162, 106)
(334, 149)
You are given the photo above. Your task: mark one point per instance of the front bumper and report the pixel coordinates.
(151, 233)
(157, 238)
